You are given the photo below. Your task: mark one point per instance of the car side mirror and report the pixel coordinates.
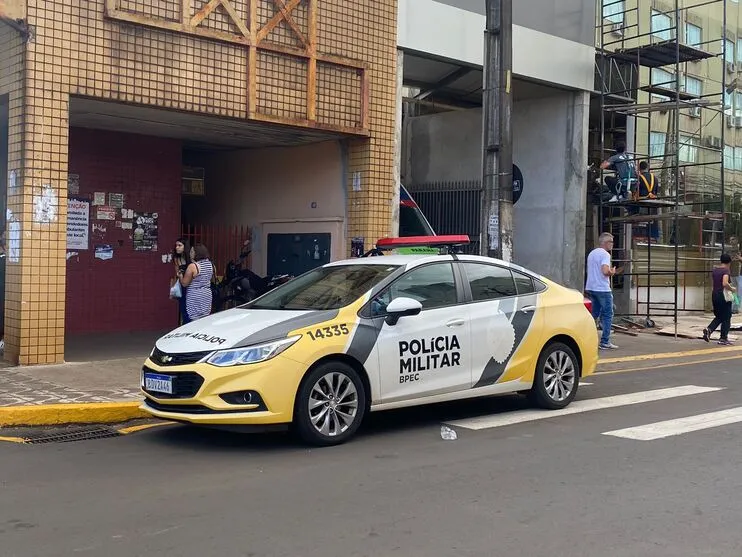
(402, 307)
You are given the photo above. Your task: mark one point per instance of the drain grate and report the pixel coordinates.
(71, 435)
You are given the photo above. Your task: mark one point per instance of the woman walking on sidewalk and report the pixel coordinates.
(721, 298)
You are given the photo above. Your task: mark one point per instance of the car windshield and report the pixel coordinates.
(324, 288)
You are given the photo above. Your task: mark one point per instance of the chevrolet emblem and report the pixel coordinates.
(166, 359)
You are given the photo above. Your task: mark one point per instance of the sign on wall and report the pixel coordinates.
(78, 223)
(145, 231)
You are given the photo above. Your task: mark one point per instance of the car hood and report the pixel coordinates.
(237, 327)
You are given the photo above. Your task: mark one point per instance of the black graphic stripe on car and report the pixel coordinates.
(282, 329)
(521, 322)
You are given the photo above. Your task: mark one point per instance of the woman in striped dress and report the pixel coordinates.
(197, 280)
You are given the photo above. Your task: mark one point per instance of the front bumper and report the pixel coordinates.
(197, 399)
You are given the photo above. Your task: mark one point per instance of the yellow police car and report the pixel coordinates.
(375, 333)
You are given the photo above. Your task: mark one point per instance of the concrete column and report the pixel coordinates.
(575, 190)
(36, 208)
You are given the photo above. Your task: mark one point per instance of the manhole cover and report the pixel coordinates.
(71, 434)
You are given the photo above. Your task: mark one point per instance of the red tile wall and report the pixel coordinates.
(130, 291)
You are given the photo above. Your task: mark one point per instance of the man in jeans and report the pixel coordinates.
(598, 286)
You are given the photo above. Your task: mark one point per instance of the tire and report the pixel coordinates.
(547, 386)
(339, 419)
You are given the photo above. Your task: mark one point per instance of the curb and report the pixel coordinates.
(64, 414)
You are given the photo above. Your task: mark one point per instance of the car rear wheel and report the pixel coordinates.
(330, 404)
(557, 377)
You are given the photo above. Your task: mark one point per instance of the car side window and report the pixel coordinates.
(523, 284)
(489, 282)
(432, 285)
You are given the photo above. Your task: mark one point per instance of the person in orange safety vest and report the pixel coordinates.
(648, 183)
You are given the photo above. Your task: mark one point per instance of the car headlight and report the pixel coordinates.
(251, 354)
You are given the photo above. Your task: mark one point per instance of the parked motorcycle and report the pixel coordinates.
(239, 286)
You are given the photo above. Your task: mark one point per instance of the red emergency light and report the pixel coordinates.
(423, 241)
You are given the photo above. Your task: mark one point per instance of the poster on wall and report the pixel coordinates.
(105, 212)
(78, 223)
(145, 231)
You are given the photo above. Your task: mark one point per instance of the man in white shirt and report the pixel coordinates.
(598, 287)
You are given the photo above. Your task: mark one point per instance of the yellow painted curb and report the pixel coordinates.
(664, 366)
(143, 427)
(58, 414)
(20, 440)
(668, 355)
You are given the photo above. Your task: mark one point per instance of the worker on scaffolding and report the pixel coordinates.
(623, 165)
(648, 183)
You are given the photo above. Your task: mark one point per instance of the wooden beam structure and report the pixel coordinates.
(255, 38)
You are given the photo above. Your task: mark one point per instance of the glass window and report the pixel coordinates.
(738, 158)
(489, 282)
(739, 50)
(728, 102)
(693, 35)
(324, 288)
(431, 285)
(729, 51)
(688, 150)
(738, 103)
(693, 85)
(657, 144)
(663, 78)
(613, 10)
(728, 157)
(661, 26)
(523, 283)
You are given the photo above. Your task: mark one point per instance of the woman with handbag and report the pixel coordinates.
(721, 297)
(182, 257)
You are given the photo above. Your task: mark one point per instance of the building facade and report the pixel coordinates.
(442, 45)
(682, 114)
(287, 108)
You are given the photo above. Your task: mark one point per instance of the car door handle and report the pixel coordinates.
(455, 323)
(528, 309)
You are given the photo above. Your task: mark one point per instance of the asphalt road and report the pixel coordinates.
(553, 487)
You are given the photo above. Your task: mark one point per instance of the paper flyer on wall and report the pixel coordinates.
(78, 223)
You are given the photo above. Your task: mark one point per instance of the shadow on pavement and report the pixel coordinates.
(391, 422)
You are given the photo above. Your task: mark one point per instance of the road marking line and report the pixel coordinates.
(510, 418)
(666, 355)
(679, 426)
(13, 439)
(663, 366)
(137, 428)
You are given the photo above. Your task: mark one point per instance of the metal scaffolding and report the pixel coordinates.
(645, 62)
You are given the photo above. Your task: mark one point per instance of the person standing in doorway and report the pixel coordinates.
(598, 287)
(181, 260)
(721, 298)
(197, 279)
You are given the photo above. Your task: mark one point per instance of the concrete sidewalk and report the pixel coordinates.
(108, 390)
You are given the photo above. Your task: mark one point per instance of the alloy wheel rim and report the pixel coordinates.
(559, 376)
(333, 404)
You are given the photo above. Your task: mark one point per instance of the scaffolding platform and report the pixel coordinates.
(642, 203)
(664, 53)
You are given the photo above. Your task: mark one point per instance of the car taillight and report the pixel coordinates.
(588, 304)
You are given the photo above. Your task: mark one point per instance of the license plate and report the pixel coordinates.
(158, 383)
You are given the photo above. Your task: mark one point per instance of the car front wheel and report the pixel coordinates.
(557, 377)
(330, 404)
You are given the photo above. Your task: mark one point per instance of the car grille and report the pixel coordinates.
(186, 358)
(187, 408)
(185, 384)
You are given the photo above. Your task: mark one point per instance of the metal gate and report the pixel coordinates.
(451, 207)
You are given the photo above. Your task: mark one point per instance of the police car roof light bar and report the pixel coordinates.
(423, 241)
